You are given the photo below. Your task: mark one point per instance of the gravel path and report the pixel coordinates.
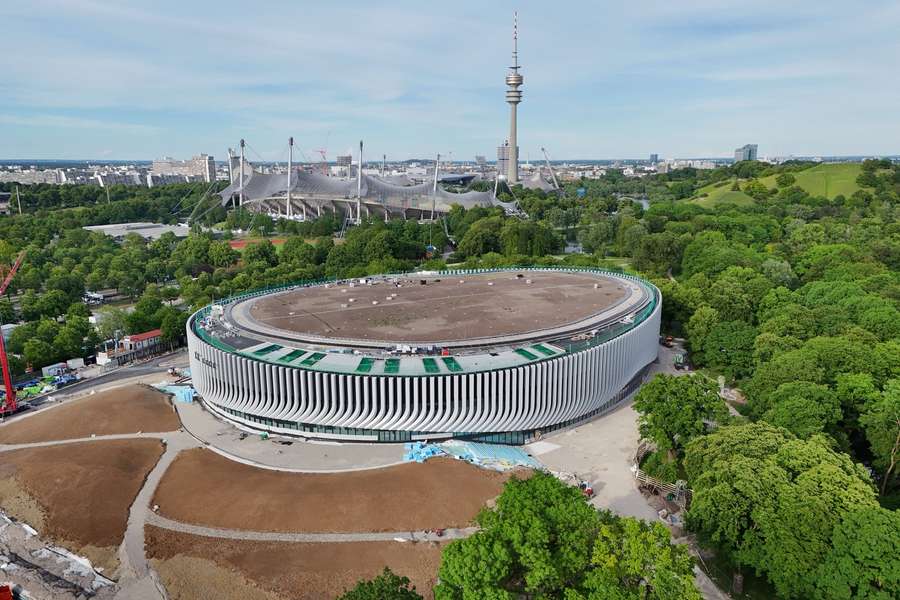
(323, 538)
(135, 573)
(97, 438)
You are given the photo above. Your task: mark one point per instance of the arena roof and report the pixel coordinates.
(445, 310)
(515, 324)
(258, 186)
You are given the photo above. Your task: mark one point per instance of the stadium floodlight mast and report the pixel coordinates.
(241, 188)
(437, 164)
(359, 185)
(290, 211)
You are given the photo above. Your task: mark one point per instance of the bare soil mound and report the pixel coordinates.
(194, 567)
(204, 488)
(127, 409)
(78, 495)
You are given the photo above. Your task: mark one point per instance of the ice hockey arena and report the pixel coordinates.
(497, 356)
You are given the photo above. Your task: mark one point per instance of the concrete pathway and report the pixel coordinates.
(316, 538)
(288, 454)
(95, 438)
(136, 578)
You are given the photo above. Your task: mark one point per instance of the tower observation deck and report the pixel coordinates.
(514, 81)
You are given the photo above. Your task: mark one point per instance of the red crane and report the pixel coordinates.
(9, 406)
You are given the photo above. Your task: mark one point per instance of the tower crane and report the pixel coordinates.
(9, 406)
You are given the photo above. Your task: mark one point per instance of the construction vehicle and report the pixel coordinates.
(667, 341)
(9, 405)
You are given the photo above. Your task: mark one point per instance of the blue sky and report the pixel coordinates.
(132, 80)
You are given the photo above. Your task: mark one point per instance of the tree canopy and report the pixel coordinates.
(543, 540)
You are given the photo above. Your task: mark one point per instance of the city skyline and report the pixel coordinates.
(121, 82)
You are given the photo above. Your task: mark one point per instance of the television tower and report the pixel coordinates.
(513, 97)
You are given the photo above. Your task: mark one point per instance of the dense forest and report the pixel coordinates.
(791, 297)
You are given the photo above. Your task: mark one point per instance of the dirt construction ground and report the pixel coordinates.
(78, 495)
(204, 488)
(127, 409)
(199, 568)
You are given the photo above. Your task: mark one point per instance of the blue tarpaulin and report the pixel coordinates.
(181, 393)
(490, 456)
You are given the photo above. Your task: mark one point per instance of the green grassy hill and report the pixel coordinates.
(712, 195)
(825, 180)
(828, 180)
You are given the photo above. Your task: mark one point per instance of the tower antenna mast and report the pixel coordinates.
(514, 81)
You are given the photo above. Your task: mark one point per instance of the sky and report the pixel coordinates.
(86, 79)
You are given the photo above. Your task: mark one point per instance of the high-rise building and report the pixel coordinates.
(513, 96)
(202, 165)
(503, 158)
(654, 158)
(745, 152)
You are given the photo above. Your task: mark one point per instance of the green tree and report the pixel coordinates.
(221, 254)
(386, 586)
(39, 353)
(261, 253)
(881, 422)
(173, 325)
(769, 501)
(803, 408)
(110, 321)
(636, 560)
(21, 334)
(543, 540)
(7, 312)
(785, 180)
(728, 347)
(481, 237)
(296, 251)
(698, 328)
(673, 410)
(864, 563)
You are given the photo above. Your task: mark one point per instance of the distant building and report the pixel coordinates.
(108, 179)
(28, 176)
(150, 231)
(154, 179)
(745, 152)
(202, 165)
(504, 155)
(654, 158)
(5, 199)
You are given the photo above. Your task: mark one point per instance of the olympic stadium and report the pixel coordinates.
(488, 355)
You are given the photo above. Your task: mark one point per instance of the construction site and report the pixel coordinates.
(135, 490)
(213, 525)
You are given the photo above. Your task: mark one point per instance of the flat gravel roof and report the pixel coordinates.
(497, 306)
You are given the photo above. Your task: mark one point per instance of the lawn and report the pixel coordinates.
(721, 193)
(828, 180)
